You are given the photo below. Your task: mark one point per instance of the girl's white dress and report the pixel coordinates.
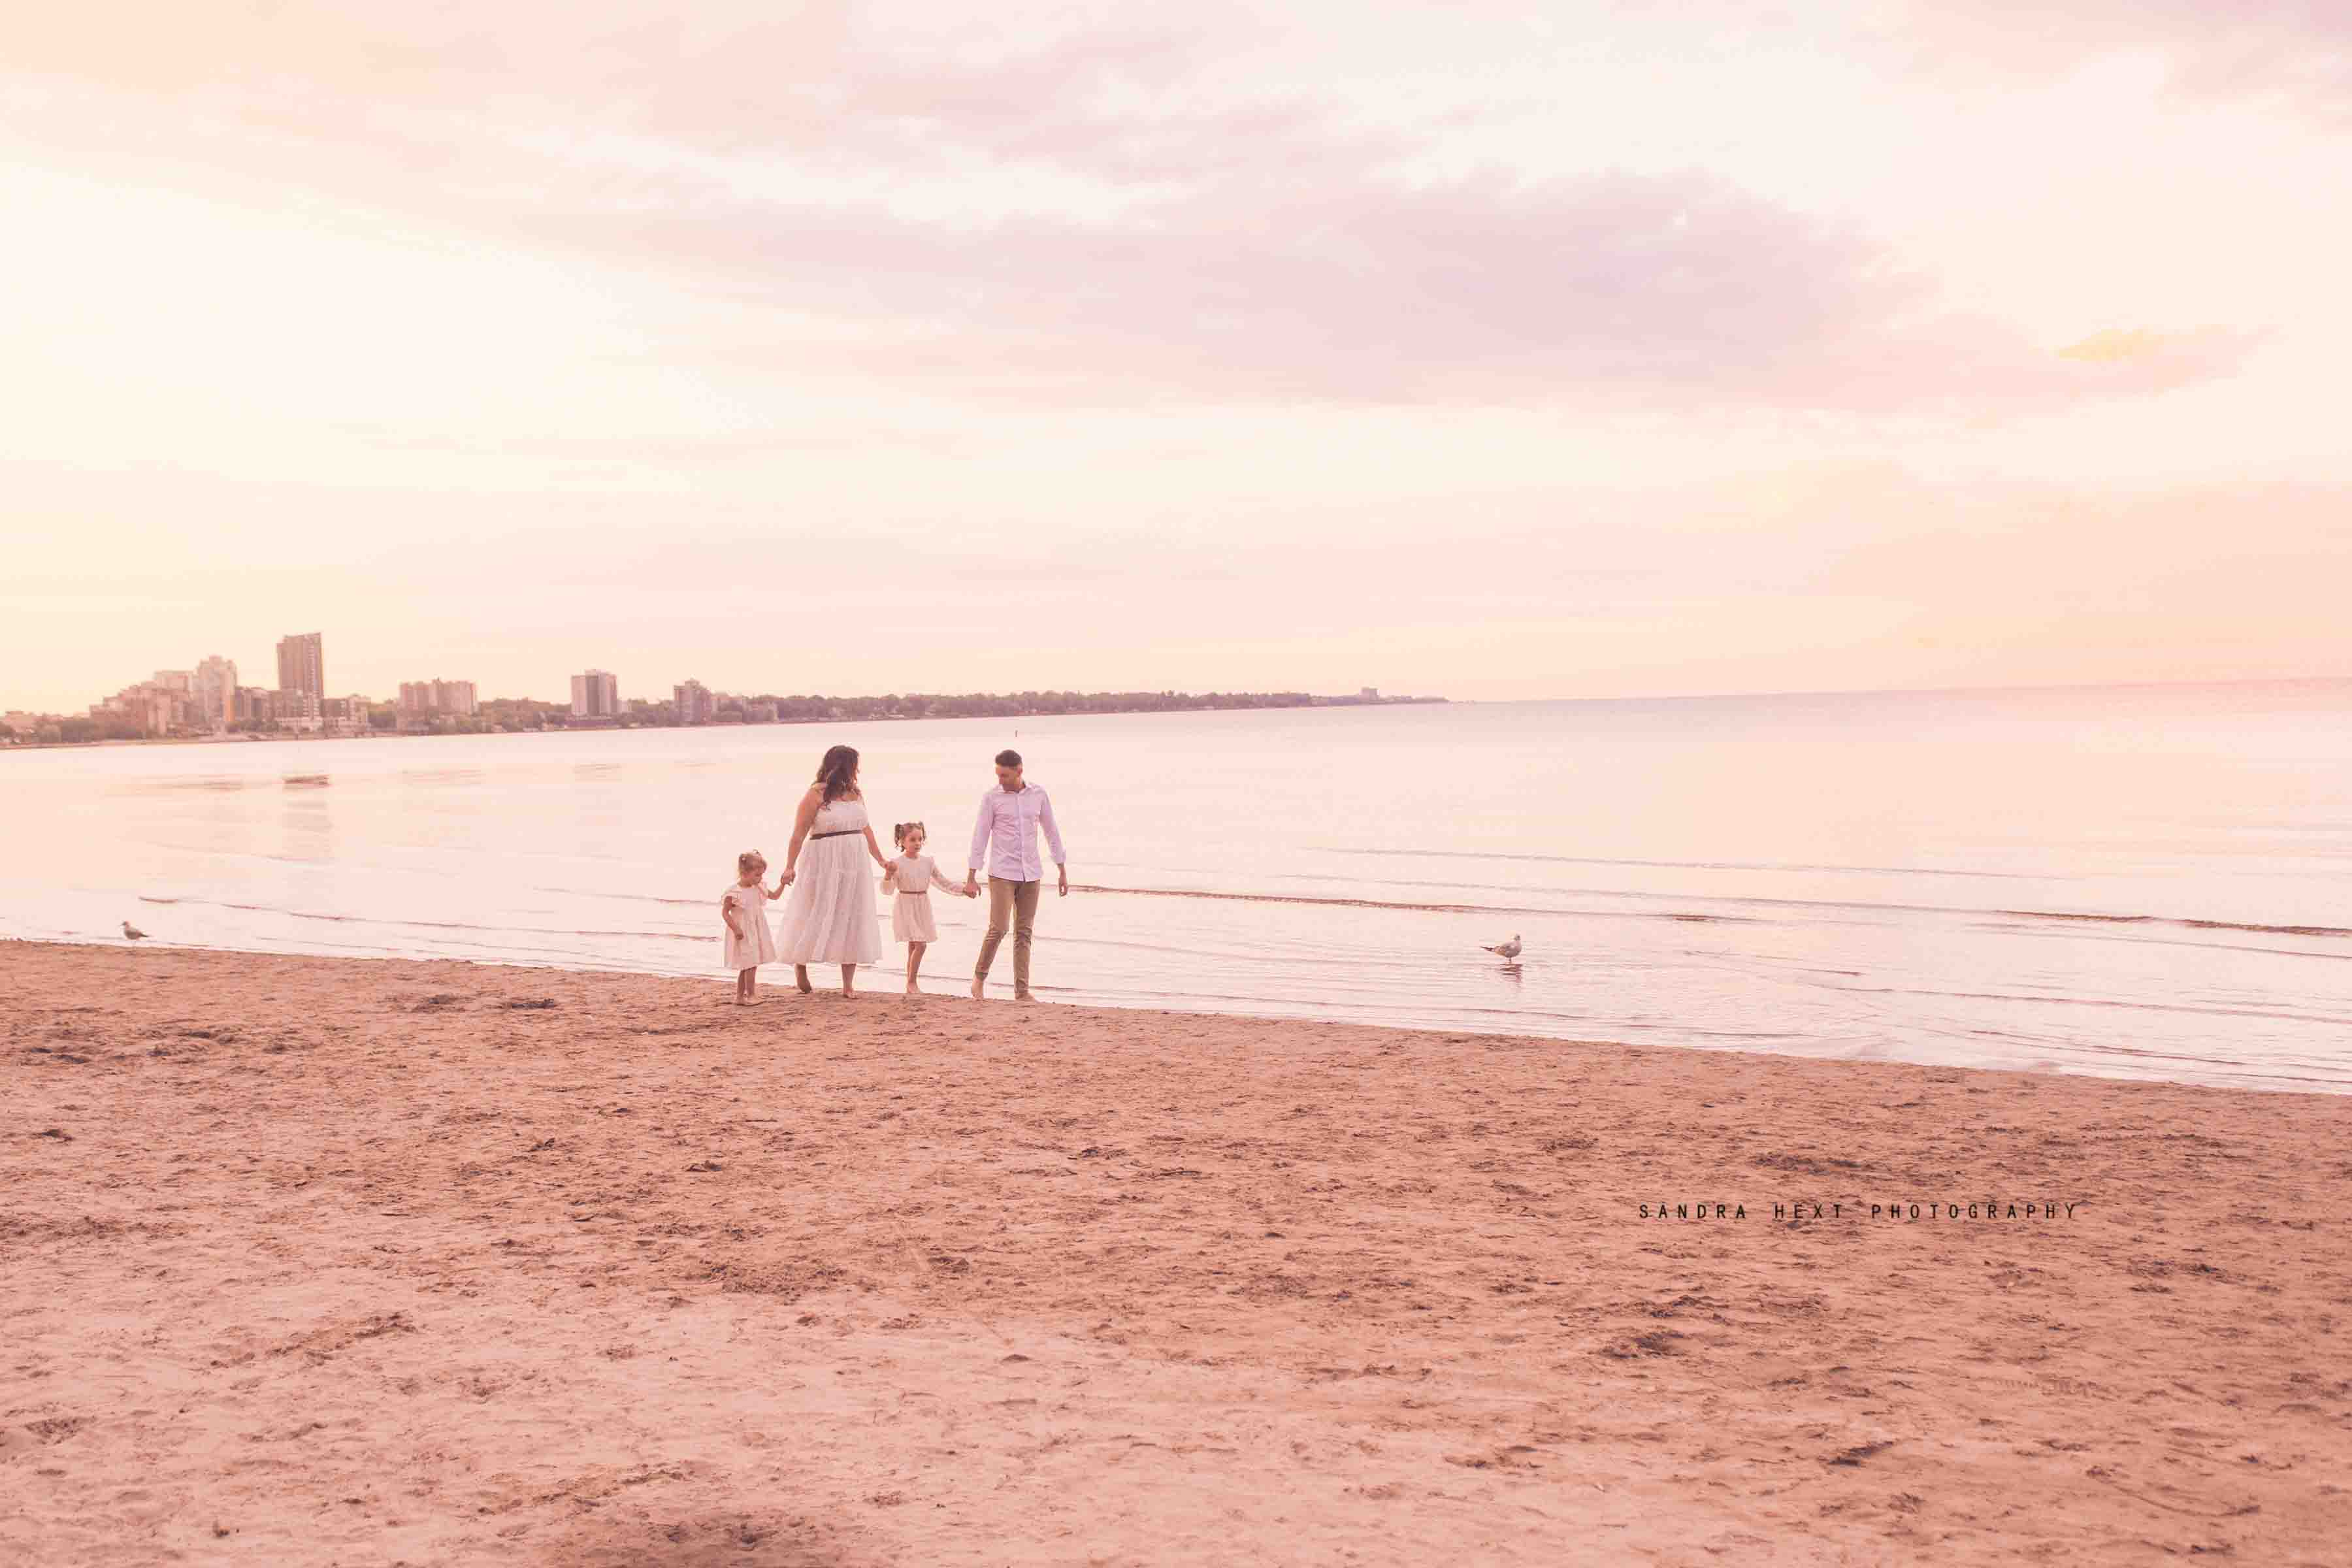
(757, 945)
(911, 877)
(830, 916)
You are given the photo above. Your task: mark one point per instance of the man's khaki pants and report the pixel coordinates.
(1012, 904)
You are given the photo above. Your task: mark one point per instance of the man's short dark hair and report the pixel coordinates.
(1008, 758)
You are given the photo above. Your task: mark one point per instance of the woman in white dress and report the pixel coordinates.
(831, 915)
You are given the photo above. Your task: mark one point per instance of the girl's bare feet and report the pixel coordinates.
(976, 988)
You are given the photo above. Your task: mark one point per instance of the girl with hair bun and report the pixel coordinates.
(911, 876)
(744, 909)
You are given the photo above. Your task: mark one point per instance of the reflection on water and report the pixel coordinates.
(2144, 883)
(213, 782)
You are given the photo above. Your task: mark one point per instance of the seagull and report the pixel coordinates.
(132, 931)
(1504, 949)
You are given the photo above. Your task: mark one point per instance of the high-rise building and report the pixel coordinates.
(157, 707)
(694, 704)
(217, 692)
(297, 710)
(352, 715)
(302, 664)
(595, 695)
(437, 699)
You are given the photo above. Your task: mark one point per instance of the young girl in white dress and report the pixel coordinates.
(911, 877)
(749, 945)
(831, 916)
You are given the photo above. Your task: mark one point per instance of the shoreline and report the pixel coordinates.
(318, 1258)
(951, 991)
(2068, 688)
(242, 738)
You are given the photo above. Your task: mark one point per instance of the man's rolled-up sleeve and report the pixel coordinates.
(1053, 834)
(980, 835)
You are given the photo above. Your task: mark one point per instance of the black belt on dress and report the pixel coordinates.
(837, 833)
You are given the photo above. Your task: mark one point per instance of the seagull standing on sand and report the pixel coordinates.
(132, 931)
(1507, 951)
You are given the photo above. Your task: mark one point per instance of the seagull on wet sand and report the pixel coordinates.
(132, 931)
(1505, 950)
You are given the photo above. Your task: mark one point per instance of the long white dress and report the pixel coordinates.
(830, 912)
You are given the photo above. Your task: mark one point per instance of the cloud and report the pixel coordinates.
(2299, 51)
(1106, 214)
(1607, 291)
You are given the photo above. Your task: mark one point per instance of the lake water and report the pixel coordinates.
(2144, 883)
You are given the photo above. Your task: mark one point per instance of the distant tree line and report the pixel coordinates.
(1021, 704)
(527, 713)
(508, 713)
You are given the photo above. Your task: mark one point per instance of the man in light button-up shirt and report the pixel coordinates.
(1005, 840)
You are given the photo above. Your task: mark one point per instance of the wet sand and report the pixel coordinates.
(312, 1260)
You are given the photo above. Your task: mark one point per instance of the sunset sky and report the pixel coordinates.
(1489, 350)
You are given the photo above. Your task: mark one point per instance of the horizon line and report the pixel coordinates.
(1410, 699)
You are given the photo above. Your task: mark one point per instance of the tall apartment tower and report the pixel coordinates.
(595, 695)
(420, 699)
(302, 664)
(216, 692)
(694, 704)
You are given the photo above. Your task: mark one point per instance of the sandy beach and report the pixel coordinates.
(338, 1261)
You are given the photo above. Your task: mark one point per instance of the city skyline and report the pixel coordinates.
(1503, 350)
(696, 701)
(173, 703)
(207, 701)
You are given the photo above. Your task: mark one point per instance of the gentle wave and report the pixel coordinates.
(1693, 917)
(634, 898)
(2178, 921)
(2056, 915)
(2045, 999)
(436, 925)
(1678, 865)
(1417, 909)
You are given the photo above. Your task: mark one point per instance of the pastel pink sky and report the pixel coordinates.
(1489, 350)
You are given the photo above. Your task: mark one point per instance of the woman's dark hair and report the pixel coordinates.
(1008, 758)
(838, 775)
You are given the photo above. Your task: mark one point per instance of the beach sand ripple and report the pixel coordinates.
(311, 1260)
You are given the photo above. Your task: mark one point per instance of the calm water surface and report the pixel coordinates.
(2145, 882)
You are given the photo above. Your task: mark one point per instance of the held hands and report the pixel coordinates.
(782, 882)
(1063, 875)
